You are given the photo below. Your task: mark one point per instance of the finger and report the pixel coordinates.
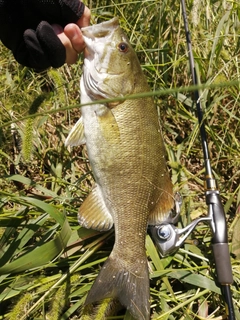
(74, 34)
(71, 53)
(84, 21)
(30, 53)
(51, 45)
(71, 10)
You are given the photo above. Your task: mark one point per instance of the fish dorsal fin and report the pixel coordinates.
(93, 213)
(76, 136)
(163, 208)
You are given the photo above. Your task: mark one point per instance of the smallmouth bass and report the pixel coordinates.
(127, 157)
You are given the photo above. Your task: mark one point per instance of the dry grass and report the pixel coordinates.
(43, 255)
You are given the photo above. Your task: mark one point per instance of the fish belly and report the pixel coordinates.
(127, 157)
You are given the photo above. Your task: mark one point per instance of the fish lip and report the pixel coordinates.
(100, 30)
(94, 32)
(94, 36)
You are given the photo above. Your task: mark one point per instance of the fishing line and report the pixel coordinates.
(212, 196)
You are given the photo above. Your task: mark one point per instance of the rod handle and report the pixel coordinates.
(223, 263)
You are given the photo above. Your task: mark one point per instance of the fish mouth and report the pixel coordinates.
(96, 56)
(100, 30)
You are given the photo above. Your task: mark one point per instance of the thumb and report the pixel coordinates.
(74, 34)
(84, 21)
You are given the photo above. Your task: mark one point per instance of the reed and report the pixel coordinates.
(44, 254)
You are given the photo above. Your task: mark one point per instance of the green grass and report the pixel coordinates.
(48, 262)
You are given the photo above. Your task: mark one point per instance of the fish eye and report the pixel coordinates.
(123, 47)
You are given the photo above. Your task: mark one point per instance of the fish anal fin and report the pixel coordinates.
(163, 208)
(93, 213)
(76, 135)
(130, 289)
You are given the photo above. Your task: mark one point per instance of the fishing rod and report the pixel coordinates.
(168, 238)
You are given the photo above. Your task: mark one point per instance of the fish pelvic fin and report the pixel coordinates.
(130, 289)
(76, 135)
(164, 206)
(93, 213)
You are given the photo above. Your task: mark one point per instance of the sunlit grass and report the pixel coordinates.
(43, 183)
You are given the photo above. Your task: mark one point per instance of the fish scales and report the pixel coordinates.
(127, 157)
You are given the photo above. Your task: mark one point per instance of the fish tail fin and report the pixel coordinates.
(130, 288)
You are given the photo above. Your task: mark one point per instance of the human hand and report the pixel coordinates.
(71, 36)
(29, 28)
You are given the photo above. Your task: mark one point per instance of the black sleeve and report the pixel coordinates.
(25, 28)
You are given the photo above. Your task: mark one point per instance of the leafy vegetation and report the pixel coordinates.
(47, 261)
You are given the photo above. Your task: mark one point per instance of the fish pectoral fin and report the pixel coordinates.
(162, 209)
(93, 213)
(76, 136)
(109, 126)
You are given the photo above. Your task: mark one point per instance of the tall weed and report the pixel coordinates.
(44, 254)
